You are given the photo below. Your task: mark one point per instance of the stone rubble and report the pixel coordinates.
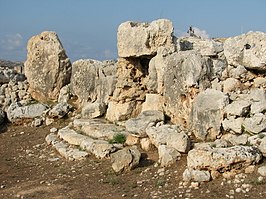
(202, 97)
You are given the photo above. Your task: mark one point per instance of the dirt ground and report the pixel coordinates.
(31, 169)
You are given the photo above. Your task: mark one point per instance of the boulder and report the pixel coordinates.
(223, 159)
(207, 114)
(262, 146)
(169, 135)
(60, 110)
(255, 124)
(262, 170)
(238, 108)
(167, 155)
(138, 125)
(125, 159)
(231, 84)
(18, 112)
(93, 80)
(232, 124)
(153, 102)
(47, 67)
(93, 110)
(196, 175)
(247, 50)
(64, 94)
(178, 77)
(139, 39)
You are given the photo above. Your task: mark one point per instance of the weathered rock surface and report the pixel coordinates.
(99, 148)
(247, 50)
(93, 80)
(17, 112)
(262, 146)
(232, 124)
(93, 110)
(47, 67)
(125, 159)
(167, 155)
(169, 135)
(60, 110)
(223, 159)
(138, 39)
(238, 108)
(196, 175)
(138, 125)
(255, 124)
(207, 114)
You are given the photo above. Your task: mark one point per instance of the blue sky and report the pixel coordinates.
(87, 28)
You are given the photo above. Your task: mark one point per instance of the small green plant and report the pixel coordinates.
(160, 183)
(119, 138)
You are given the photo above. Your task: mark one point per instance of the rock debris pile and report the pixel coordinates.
(202, 98)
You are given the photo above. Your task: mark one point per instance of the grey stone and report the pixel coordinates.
(196, 175)
(60, 110)
(262, 146)
(167, 155)
(236, 139)
(93, 80)
(16, 112)
(169, 135)
(93, 110)
(64, 94)
(138, 125)
(47, 67)
(125, 159)
(232, 124)
(258, 107)
(238, 108)
(255, 124)
(207, 114)
(231, 84)
(262, 170)
(247, 50)
(223, 159)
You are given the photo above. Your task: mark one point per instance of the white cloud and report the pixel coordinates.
(12, 42)
(201, 33)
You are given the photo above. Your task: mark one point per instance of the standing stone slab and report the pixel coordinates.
(47, 67)
(207, 114)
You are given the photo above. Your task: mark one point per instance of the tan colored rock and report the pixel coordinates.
(139, 39)
(153, 102)
(146, 144)
(47, 67)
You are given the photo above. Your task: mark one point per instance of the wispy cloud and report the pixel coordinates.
(12, 42)
(197, 31)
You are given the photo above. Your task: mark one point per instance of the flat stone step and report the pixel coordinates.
(99, 148)
(65, 149)
(99, 128)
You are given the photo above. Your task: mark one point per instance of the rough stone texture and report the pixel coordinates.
(121, 111)
(167, 155)
(17, 112)
(138, 39)
(189, 72)
(262, 170)
(238, 108)
(206, 47)
(93, 80)
(169, 135)
(145, 144)
(252, 56)
(138, 125)
(231, 84)
(64, 94)
(255, 124)
(236, 139)
(196, 175)
(153, 102)
(207, 114)
(223, 159)
(47, 67)
(262, 146)
(99, 148)
(93, 110)
(125, 159)
(232, 124)
(59, 110)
